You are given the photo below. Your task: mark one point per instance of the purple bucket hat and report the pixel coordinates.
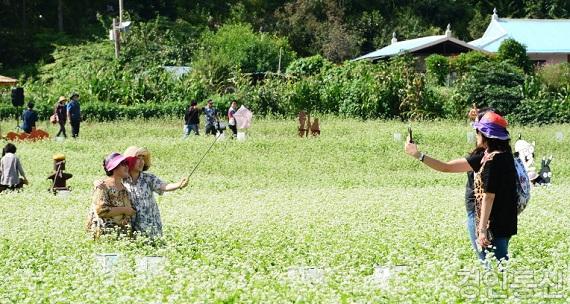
(492, 125)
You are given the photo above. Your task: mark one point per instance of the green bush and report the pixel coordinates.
(513, 52)
(541, 111)
(101, 111)
(437, 68)
(489, 84)
(308, 66)
(464, 62)
(236, 48)
(555, 77)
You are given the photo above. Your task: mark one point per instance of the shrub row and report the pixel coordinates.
(101, 111)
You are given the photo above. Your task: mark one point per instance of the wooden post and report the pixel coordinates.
(308, 124)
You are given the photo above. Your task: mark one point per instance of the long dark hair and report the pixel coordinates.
(494, 144)
(479, 148)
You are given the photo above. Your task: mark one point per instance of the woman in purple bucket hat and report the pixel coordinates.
(500, 206)
(495, 187)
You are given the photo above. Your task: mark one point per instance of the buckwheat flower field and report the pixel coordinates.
(344, 218)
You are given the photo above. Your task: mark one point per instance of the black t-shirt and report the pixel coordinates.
(61, 112)
(499, 177)
(192, 116)
(474, 161)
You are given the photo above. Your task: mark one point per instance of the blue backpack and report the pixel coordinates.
(522, 186)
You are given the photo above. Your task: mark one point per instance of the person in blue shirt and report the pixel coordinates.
(74, 114)
(29, 118)
(211, 115)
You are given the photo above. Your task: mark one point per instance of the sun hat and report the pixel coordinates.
(113, 160)
(62, 98)
(492, 125)
(134, 151)
(58, 157)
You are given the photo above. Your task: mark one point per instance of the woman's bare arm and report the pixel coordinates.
(452, 166)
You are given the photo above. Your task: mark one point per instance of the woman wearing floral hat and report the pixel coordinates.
(111, 209)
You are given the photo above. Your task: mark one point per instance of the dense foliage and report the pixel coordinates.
(261, 61)
(513, 52)
(338, 30)
(437, 68)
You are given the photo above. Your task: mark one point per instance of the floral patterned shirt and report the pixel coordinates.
(103, 201)
(147, 219)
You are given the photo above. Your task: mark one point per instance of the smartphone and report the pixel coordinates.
(410, 135)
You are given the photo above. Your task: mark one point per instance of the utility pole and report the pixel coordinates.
(60, 15)
(116, 37)
(120, 11)
(279, 66)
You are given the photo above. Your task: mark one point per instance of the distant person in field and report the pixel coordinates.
(29, 118)
(60, 111)
(12, 174)
(74, 114)
(470, 164)
(211, 115)
(231, 119)
(141, 185)
(111, 209)
(192, 119)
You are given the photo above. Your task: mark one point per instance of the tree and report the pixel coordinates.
(437, 67)
(491, 84)
(513, 52)
(237, 48)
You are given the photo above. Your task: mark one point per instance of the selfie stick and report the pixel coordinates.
(200, 161)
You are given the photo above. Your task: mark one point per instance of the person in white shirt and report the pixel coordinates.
(12, 174)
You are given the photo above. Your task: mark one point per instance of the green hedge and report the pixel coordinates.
(100, 111)
(541, 111)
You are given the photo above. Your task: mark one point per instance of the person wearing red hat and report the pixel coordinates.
(111, 209)
(495, 187)
(472, 165)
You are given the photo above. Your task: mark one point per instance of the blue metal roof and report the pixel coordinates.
(538, 35)
(412, 45)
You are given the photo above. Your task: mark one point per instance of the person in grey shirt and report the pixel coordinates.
(12, 174)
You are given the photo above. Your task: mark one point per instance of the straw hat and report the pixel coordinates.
(58, 157)
(138, 151)
(62, 98)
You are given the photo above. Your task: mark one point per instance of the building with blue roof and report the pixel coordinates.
(422, 47)
(547, 41)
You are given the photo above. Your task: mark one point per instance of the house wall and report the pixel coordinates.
(550, 58)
